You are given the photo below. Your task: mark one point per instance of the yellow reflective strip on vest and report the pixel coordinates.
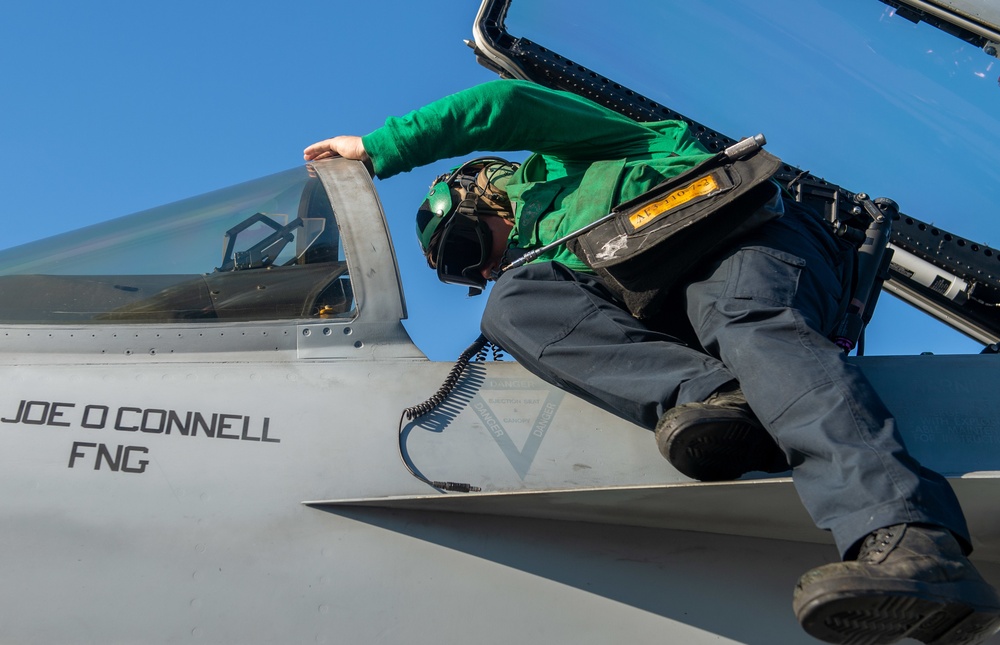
(698, 188)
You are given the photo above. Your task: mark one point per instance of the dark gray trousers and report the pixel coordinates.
(760, 315)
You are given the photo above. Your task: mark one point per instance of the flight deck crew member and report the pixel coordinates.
(757, 386)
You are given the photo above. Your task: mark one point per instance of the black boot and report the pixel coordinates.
(718, 439)
(909, 581)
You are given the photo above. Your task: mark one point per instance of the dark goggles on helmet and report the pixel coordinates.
(461, 251)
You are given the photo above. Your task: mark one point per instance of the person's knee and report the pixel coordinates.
(515, 291)
(490, 326)
(503, 303)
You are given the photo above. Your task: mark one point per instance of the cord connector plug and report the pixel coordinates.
(457, 487)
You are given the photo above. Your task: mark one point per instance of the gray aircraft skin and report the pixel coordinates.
(204, 447)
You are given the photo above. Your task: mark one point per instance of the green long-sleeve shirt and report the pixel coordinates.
(586, 158)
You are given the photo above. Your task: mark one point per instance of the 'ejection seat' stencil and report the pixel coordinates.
(517, 413)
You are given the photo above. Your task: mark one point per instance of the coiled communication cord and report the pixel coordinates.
(477, 350)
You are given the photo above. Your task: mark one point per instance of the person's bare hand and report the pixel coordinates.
(347, 146)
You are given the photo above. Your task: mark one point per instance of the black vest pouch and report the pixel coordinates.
(657, 238)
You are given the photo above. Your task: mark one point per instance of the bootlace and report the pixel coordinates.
(878, 542)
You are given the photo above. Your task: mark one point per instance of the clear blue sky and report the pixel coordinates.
(112, 107)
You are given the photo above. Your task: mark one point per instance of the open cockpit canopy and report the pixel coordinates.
(866, 94)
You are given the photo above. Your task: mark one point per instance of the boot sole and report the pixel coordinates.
(721, 447)
(963, 613)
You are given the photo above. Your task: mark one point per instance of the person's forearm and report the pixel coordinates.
(502, 116)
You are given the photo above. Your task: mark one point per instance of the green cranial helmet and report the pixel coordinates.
(475, 187)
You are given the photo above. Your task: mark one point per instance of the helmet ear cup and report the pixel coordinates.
(439, 199)
(436, 209)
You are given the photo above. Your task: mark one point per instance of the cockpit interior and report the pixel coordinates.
(263, 250)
